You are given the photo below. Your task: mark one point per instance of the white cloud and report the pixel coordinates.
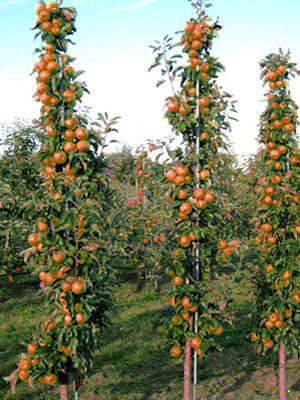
(135, 99)
(18, 101)
(137, 5)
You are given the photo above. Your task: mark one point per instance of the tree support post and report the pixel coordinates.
(282, 389)
(64, 392)
(187, 370)
(197, 255)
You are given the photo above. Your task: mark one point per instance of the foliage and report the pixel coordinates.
(277, 222)
(19, 178)
(141, 223)
(122, 165)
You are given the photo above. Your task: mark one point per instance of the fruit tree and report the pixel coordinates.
(197, 113)
(277, 222)
(68, 246)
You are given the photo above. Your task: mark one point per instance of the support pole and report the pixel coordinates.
(282, 354)
(144, 179)
(64, 392)
(282, 390)
(197, 255)
(187, 370)
(76, 394)
(63, 388)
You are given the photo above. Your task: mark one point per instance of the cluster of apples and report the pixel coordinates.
(196, 36)
(53, 69)
(143, 173)
(192, 198)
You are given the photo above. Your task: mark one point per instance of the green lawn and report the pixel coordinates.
(133, 362)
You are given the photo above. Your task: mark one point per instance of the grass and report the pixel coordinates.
(133, 362)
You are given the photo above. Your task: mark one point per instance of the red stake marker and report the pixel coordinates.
(187, 370)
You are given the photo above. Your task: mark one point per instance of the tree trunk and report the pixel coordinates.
(282, 391)
(187, 370)
(64, 392)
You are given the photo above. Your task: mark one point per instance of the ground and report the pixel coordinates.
(133, 362)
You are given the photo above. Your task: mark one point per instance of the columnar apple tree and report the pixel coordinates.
(68, 247)
(197, 113)
(277, 224)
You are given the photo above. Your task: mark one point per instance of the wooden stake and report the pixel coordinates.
(197, 255)
(282, 390)
(187, 370)
(64, 392)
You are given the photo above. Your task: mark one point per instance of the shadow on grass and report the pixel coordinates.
(235, 367)
(22, 287)
(136, 362)
(150, 375)
(133, 361)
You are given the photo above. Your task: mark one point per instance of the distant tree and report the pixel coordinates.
(19, 175)
(122, 164)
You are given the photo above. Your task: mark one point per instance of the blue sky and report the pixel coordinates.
(112, 45)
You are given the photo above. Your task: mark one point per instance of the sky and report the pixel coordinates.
(112, 46)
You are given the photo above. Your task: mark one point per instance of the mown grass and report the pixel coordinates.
(133, 362)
